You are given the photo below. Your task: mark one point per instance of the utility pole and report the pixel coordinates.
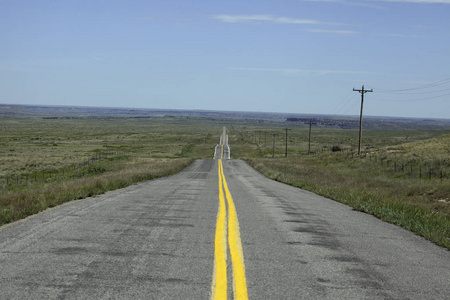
(285, 155)
(362, 91)
(273, 148)
(309, 140)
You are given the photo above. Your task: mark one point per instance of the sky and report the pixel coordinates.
(289, 56)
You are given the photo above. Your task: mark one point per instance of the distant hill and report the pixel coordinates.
(281, 119)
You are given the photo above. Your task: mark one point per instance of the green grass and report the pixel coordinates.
(420, 205)
(383, 182)
(65, 159)
(19, 202)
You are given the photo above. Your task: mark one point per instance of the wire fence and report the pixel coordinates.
(414, 168)
(397, 167)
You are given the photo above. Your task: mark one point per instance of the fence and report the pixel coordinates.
(401, 167)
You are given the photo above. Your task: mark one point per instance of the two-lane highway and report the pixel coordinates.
(158, 240)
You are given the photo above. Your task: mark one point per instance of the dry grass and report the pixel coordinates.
(33, 144)
(419, 205)
(17, 203)
(158, 147)
(147, 148)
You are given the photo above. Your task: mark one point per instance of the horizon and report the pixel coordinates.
(223, 111)
(298, 56)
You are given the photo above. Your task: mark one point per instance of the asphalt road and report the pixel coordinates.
(156, 240)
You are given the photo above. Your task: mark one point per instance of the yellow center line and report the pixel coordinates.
(234, 240)
(219, 286)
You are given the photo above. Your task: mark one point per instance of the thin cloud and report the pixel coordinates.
(366, 2)
(343, 32)
(349, 3)
(416, 1)
(98, 58)
(300, 71)
(399, 35)
(269, 19)
(336, 1)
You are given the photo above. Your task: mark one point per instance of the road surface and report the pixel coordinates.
(170, 239)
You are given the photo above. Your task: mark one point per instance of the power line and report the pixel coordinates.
(340, 103)
(350, 105)
(427, 90)
(415, 93)
(425, 86)
(411, 100)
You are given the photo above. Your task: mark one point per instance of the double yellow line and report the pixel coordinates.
(220, 284)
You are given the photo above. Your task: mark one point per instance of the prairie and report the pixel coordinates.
(402, 176)
(48, 161)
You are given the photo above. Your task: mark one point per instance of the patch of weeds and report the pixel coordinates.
(187, 150)
(95, 170)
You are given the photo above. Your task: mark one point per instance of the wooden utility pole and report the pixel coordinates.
(309, 139)
(273, 147)
(362, 91)
(285, 155)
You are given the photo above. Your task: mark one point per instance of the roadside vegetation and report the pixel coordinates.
(46, 162)
(401, 177)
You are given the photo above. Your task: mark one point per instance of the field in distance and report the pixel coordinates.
(290, 119)
(402, 176)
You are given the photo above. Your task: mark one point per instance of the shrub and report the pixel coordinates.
(336, 148)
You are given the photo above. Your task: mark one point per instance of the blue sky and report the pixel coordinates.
(253, 55)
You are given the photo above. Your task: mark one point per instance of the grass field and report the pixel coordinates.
(402, 177)
(46, 162)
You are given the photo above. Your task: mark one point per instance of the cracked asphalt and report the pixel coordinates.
(155, 240)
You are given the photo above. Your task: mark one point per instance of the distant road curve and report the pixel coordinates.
(156, 240)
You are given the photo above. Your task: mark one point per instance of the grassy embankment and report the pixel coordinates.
(386, 182)
(51, 161)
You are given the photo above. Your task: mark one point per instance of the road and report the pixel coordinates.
(172, 238)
